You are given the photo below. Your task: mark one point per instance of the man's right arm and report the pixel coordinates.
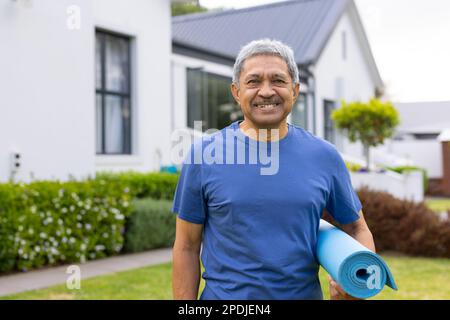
(186, 260)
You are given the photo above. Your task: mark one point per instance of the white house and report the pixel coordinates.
(417, 138)
(330, 46)
(85, 86)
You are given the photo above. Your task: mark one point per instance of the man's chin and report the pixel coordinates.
(267, 121)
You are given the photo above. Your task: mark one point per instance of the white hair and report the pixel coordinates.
(266, 47)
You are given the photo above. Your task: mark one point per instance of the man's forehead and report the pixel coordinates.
(264, 63)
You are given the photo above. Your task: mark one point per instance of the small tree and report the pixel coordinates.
(370, 123)
(179, 9)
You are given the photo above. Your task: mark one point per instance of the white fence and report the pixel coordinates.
(408, 186)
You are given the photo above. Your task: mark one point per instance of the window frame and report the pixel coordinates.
(104, 92)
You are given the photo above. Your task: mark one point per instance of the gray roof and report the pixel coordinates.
(305, 25)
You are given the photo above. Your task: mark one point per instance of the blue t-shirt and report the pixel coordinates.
(260, 230)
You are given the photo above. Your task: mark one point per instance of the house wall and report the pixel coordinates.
(337, 79)
(47, 110)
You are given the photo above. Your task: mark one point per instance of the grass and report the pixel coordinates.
(417, 278)
(438, 204)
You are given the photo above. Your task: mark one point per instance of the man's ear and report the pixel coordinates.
(235, 92)
(296, 91)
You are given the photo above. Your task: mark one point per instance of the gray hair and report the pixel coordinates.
(266, 47)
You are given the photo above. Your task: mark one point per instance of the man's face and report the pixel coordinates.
(266, 91)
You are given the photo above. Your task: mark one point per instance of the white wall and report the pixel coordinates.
(47, 105)
(47, 96)
(423, 153)
(338, 79)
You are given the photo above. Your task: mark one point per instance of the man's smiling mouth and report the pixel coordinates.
(266, 105)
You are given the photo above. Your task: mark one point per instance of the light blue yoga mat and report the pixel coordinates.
(359, 271)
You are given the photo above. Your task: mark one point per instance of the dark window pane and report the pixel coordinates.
(98, 61)
(194, 96)
(114, 132)
(98, 124)
(329, 125)
(117, 63)
(299, 112)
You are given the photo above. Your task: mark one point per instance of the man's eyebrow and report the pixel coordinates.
(280, 75)
(252, 75)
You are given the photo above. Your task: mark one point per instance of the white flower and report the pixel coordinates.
(69, 231)
(126, 190)
(72, 208)
(115, 210)
(37, 249)
(54, 251)
(72, 240)
(64, 210)
(43, 235)
(99, 247)
(60, 222)
(61, 193)
(79, 225)
(83, 247)
(33, 209)
(58, 233)
(105, 235)
(120, 217)
(88, 226)
(79, 217)
(20, 251)
(30, 231)
(23, 242)
(20, 228)
(64, 240)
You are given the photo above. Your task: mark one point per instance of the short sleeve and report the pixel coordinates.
(343, 203)
(189, 202)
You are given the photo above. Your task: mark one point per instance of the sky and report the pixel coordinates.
(410, 40)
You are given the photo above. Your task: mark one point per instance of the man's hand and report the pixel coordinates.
(337, 293)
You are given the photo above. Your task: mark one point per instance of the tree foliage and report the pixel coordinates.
(179, 9)
(370, 123)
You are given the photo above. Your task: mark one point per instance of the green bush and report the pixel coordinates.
(144, 185)
(52, 222)
(150, 226)
(406, 169)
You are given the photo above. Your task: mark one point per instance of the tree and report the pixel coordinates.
(370, 123)
(186, 8)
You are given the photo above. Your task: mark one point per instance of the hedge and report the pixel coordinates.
(52, 222)
(405, 226)
(150, 226)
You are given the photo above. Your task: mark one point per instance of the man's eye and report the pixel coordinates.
(280, 81)
(253, 81)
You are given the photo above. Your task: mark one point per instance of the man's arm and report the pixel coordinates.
(186, 260)
(359, 231)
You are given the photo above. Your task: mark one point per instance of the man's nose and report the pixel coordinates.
(266, 89)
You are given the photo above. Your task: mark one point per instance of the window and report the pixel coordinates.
(299, 114)
(113, 98)
(329, 130)
(210, 100)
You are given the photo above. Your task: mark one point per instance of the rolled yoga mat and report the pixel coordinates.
(359, 271)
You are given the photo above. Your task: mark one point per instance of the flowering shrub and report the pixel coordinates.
(46, 223)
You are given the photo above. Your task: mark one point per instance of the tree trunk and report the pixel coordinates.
(367, 156)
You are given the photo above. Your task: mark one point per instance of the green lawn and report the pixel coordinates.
(438, 204)
(417, 278)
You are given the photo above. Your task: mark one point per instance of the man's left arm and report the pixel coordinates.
(360, 232)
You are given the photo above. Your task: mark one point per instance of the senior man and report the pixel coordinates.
(258, 232)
